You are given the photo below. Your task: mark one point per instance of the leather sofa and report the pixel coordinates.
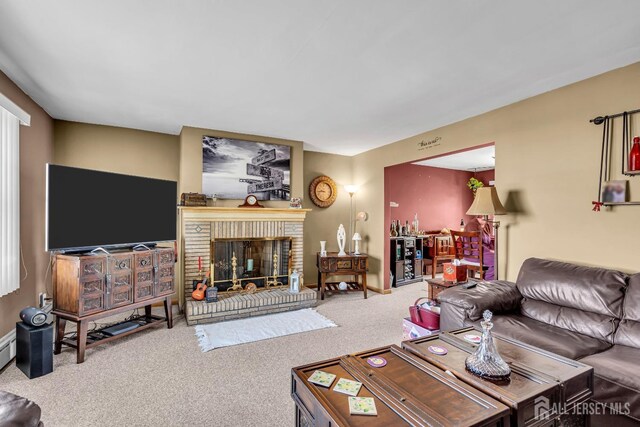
(16, 411)
(583, 313)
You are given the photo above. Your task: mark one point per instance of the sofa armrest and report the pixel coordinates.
(18, 411)
(459, 306)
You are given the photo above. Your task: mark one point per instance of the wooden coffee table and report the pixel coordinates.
(541, 382)
(406, 391)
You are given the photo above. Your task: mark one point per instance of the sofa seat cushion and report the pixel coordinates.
(617, 377)
(551, 338)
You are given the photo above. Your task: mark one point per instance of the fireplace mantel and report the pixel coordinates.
(199, 226)
(244, 214)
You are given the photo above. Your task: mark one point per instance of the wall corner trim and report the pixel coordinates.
(13, 108)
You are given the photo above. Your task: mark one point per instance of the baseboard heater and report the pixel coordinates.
(7, 348)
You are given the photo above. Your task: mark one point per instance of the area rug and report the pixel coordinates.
(251, 329)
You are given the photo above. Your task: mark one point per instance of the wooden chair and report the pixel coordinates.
(443, 250)
(468, 249)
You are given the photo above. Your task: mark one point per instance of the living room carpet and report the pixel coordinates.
(160, 377)
(242, 331)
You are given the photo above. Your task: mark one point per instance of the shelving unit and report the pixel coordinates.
(406, 260)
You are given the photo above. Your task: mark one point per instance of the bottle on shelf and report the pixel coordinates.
(634, 155)
(462, 224)
(393, 232)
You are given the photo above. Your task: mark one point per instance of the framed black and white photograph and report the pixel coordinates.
(234, 168)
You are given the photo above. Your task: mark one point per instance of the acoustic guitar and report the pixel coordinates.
(199, 293)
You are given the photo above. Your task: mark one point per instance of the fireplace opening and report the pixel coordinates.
(265, 262)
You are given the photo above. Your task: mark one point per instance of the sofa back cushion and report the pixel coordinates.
(629, 330)
(581, 299)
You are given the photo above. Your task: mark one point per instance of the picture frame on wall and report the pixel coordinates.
(235, 168)
(614, 191)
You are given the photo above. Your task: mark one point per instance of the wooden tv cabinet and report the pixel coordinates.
(91, 287)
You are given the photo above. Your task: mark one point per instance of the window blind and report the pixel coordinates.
(9, 202)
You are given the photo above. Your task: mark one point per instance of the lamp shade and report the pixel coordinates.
(486, 202)
(351, 189)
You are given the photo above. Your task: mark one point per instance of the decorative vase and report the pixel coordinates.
(485, 362)
(634, 155)
(323, 248)
(342, 237)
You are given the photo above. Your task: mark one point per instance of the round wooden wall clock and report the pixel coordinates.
(323, 191)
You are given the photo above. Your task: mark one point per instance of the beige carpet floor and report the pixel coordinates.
(159, 377)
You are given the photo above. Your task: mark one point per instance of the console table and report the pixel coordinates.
(342, 265)
(88, 287)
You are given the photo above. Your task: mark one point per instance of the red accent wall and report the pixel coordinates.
(439, 196)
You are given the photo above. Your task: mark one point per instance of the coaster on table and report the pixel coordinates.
(347, 387)
(376, 361)
(321, 378)
(362, 406)
(473, 338)
(436, 349)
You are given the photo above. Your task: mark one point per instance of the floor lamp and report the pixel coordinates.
(485, 203)
(351, 189)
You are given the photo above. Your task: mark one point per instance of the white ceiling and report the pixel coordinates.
(344, 76)
(471, 160)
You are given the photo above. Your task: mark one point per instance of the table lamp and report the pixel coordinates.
(487, 203)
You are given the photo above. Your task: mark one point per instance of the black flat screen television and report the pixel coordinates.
(87, 209)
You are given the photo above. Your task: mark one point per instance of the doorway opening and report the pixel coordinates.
(427, 198)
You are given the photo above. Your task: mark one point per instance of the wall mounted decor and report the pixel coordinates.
(609, 191)
(323, 191)
(234, 168)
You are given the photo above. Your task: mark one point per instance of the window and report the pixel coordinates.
(11, 116)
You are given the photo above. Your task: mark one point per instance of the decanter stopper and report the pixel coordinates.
(485, 362)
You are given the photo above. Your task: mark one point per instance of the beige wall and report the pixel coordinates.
(191, 162)
(547, 159)
(36, 149)
(322, 223)
(115, 149)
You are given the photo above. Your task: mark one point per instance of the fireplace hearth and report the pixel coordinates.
(267, 245)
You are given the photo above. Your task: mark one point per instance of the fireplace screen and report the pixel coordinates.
(239, 262)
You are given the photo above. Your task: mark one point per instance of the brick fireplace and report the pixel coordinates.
(214, 234)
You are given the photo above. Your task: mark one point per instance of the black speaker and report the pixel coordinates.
(33, 316)
(34, 349)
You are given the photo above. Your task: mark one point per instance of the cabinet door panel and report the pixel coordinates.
(165, 280)
(89, 304)
(90, 287)
(143, 283)
(92, 267)
(121, 292)
(119, 263)
(166, 256)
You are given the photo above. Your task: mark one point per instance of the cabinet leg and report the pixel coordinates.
(319, 279)
(60, 325)
(147, 312)
(323, 277)
(364, 285)
(168, 312)
(82, 340)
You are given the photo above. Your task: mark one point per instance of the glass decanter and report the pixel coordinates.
(485, 362)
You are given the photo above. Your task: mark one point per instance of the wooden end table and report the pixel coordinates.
(342, 265)
(438, 285)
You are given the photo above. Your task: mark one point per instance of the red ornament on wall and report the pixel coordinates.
(634, 155)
